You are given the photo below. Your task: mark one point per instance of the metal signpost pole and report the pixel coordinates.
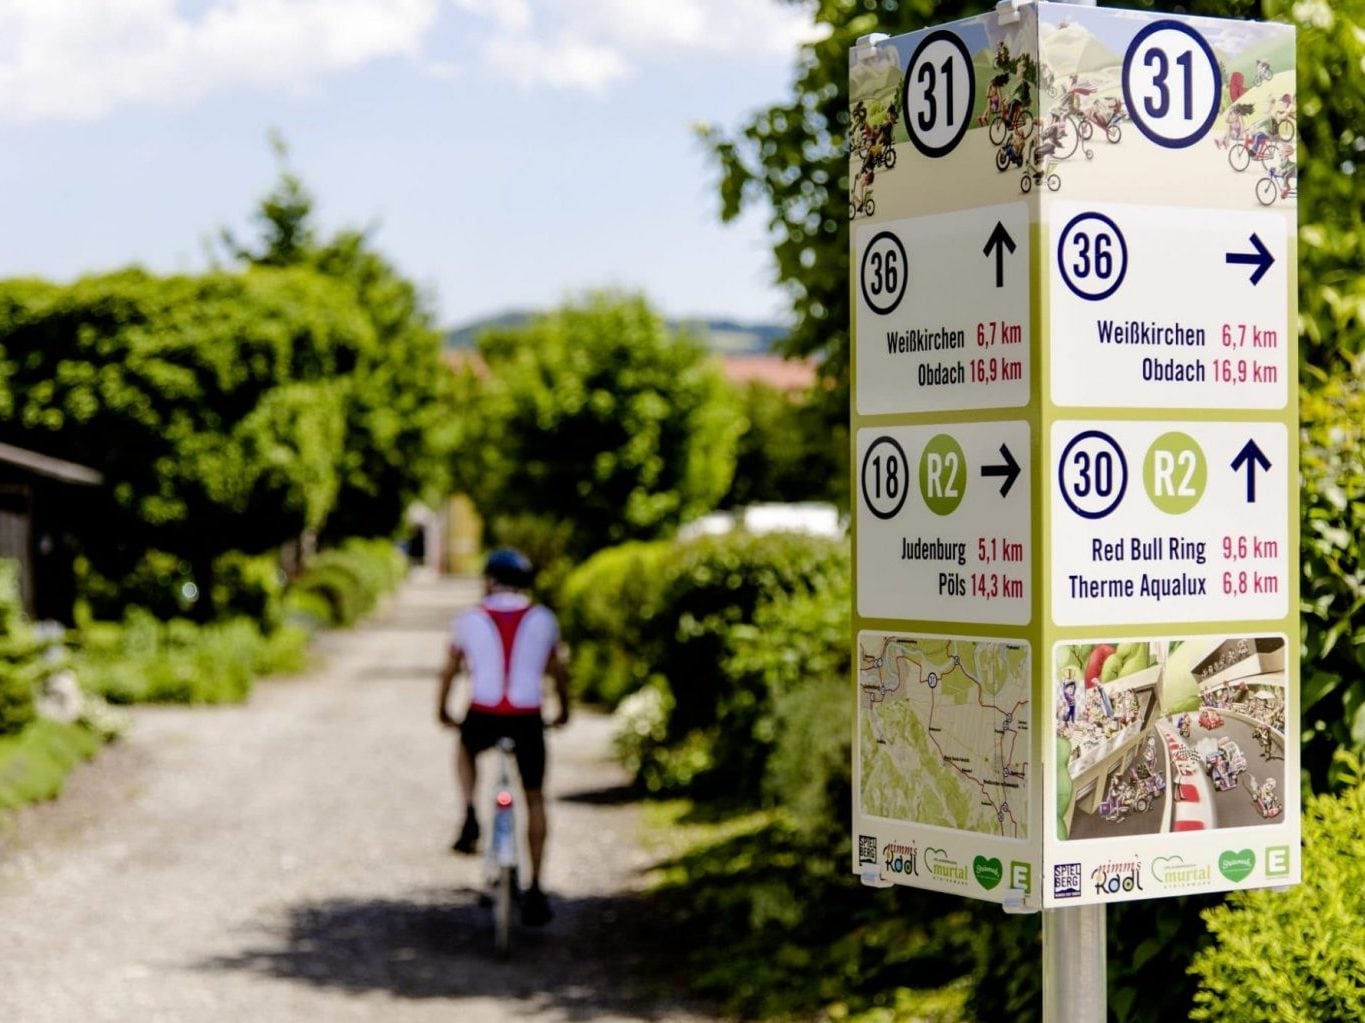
(1074, 955)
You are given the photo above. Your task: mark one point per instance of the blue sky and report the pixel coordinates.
(511, 152)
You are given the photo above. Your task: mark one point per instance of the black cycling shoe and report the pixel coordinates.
(468, 839)
(535, 908)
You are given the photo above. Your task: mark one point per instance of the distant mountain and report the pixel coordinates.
(721, 336)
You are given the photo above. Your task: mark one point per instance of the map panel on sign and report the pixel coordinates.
(1154, 307)
(943, 731)
(942, 311)
(1169, 522)
(944, 523)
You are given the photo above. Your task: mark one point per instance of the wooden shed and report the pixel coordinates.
(36, 493)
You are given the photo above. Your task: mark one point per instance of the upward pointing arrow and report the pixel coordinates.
(1251, 456)
(999, 240)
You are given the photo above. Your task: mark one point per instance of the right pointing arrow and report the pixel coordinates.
(1010, 470)
(1251, 456)
(1260, 259)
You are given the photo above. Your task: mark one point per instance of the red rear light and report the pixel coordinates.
(504, 799)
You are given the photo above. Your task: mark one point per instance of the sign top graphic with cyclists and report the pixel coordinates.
(1088, 101)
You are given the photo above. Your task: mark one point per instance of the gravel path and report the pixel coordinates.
(287, 860)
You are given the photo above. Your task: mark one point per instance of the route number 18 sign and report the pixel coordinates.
(1073, 249)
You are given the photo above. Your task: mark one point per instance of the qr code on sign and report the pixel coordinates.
(867, 850)
(1066, 881)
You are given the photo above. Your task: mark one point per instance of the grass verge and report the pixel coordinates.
(34, 763)
(780, 930)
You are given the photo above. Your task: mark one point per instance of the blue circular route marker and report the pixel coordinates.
(1093, 474)
(1171, 84)
(1092, 256)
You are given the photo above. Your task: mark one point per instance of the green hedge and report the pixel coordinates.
(713, 590)
(604, 605)
(1332, 452)
(1295, 956)
(164, 584)
(684, 615)
(344, 583)
(143, 660)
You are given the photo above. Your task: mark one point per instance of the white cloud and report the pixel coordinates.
(565, 62)
(591, 44)
(732, 27)
(508, 15)
(80, 59)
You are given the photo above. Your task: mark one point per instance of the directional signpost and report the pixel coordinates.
(1073, 253)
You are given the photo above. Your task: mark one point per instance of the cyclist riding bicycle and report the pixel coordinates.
(508, 645)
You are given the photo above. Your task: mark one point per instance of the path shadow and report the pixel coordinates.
(598, 955)
(610, 795)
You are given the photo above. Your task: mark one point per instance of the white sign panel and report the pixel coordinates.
(1169, 522)
(943, 523)
(1156, 307)
(942, 311)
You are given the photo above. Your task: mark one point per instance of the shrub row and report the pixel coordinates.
(344, 583)
(1332, 460)
(250, 586)
(684, 630)
(144, 660)
(1295, 956)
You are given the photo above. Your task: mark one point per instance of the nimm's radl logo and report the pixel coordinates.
(900, 859)
(1113, 878)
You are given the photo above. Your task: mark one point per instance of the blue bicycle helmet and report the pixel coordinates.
(509, 567)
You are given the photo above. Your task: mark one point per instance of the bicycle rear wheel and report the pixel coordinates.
(502, 911)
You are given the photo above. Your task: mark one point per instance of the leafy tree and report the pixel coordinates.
(595, 416)
(398, 394)
(784, 452)
(284, 217)
(400, 403)
(210, 404)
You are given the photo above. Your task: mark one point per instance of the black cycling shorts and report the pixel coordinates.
(481, 730)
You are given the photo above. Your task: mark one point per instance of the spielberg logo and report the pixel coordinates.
(900, 859)
(1117, 878)
(867, 849)
(1066, 881)
(1175, 872)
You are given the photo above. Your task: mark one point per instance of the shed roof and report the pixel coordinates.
(46, 465)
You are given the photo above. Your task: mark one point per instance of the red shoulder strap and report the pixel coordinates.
(507, 623)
